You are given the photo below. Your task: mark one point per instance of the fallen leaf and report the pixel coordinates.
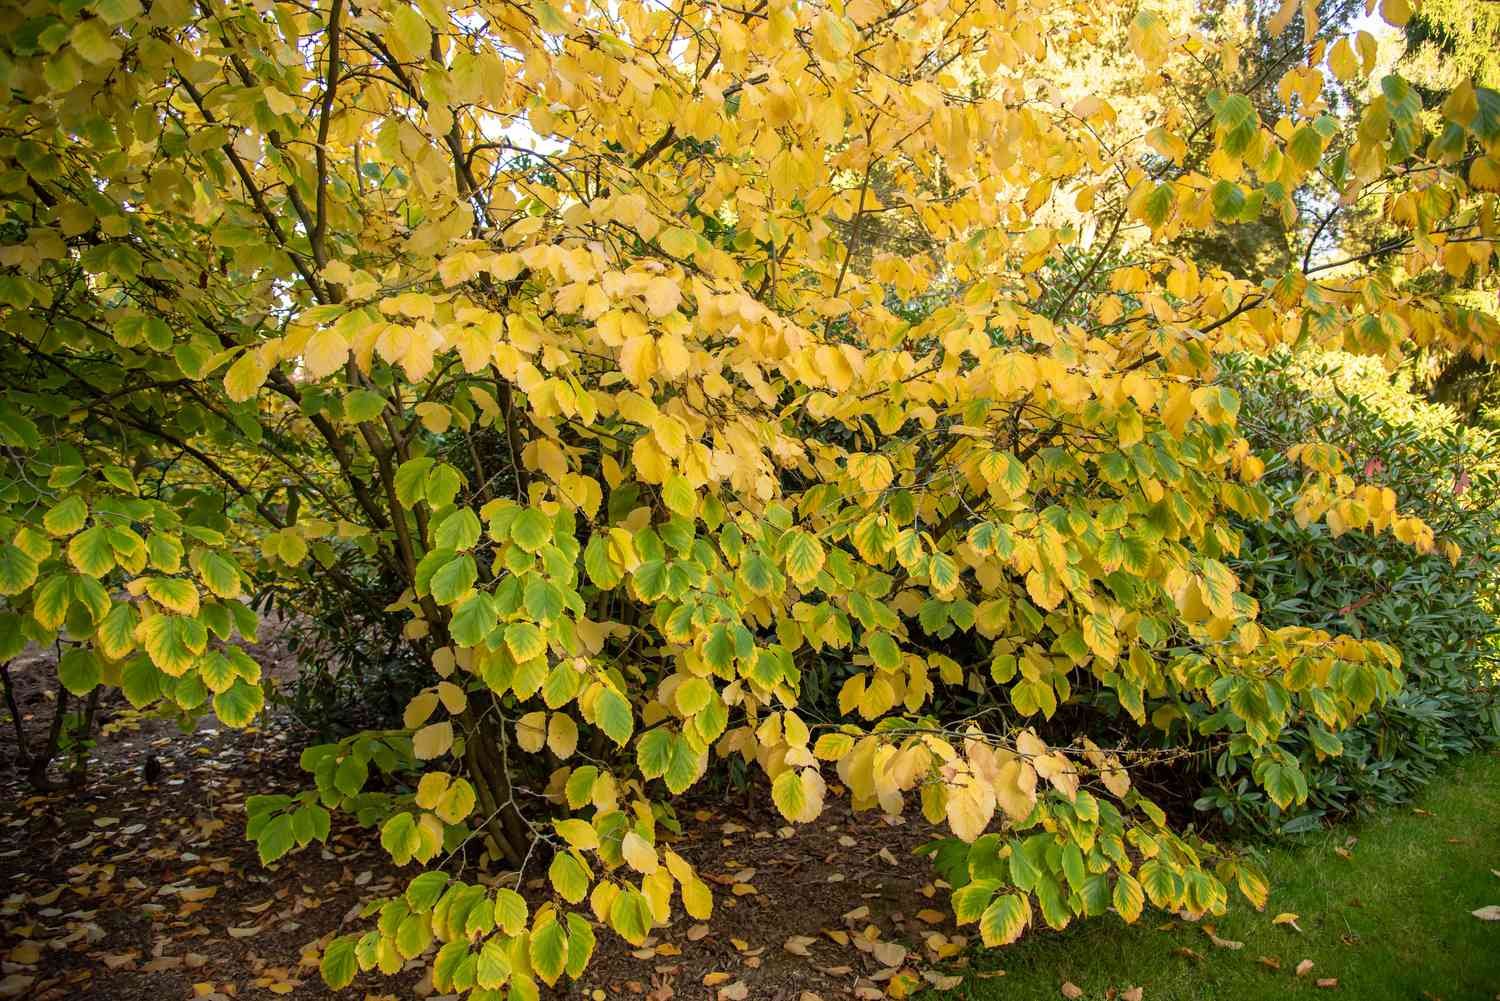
(28, 953)
(1225, 943)
(736, 991)
(889, 953)
(1269, 962)
(797, 945)
(1134, 994)
(942, 981)
(1490, 913)
(16, 984)
(1071, 990)
(1329, 982)
(930, 916)
(715, 979)
(697, 932)
(1286, 918)
(1303, 967)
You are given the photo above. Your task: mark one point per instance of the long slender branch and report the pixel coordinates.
(325, 116)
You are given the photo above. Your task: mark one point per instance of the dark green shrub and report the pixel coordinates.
(1439, 614)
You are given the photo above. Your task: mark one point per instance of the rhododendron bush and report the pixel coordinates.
(592, 326)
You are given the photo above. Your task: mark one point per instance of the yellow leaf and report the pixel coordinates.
(325, 353)
(639, 853)
(531, 731)
(562, 735)
(432, 740)
(419, 710)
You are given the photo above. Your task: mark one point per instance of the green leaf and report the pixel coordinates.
(679, 496)
(411, 481)
(569, 876)
(17, 570)
(718, 652)
(338, 965)
(454, 579)
(613, 715)
(1305, 147)
(803, 555)
(510, 911)
(448, 964)
(459, 530)
(173, 642)
(525, 641)
(580, 945)
(653, 752)
(544, 600)
(693, 694)
(413, 935)
(276, 839)
(140, 682)
(91, 552)
(531, 530)
(1161, 885)
(1128, 897)
(79, 671)
(1236, 116)
(883, 650)
(239, 704)
(596, 562)
(652, 579)
(630, 916)
(1228, 201)
(12, 637)
(756, 573)
(788, 795)
(943, 571)
(219, 575)
(443, 485)
(66, 516)
(216, 672)
(174, 594)
(350, 776)
(423, 891)
(473, 620)
(165, 552)
(493, 967)
(1155, 208)
(682, 766)
(549, 950)
(970, 901)
(1004, 919)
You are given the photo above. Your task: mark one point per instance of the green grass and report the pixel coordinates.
(1391, 921)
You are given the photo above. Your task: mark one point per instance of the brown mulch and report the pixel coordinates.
(126, 890)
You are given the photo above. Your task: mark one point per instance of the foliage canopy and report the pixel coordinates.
(567, 319)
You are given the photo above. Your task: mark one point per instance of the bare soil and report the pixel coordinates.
(128, 890)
